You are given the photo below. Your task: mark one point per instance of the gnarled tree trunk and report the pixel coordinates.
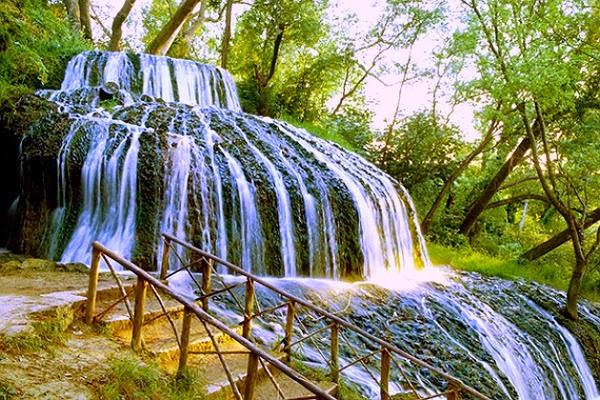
(163, 41)
(84, 17)
(117, 26)
(479, 206)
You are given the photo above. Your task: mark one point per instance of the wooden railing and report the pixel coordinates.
(144, 281)
(379, 360)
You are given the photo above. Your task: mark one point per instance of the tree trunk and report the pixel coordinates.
(84, 16)
(558, 239)
(455, 175)
(479, 206)
(163, 41)
(226, 35)
(263, 82)
(575, 287)
(197, 23)
(72, 7)
(117, 26)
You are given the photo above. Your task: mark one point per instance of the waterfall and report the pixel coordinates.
(254, 191)
(108, 188)
(170, 151)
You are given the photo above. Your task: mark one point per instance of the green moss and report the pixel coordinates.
(151, 164)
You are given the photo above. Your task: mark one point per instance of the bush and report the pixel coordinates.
(36, 42)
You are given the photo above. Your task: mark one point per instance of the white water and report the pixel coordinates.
(108, 185)
(161, 77)
(251, 235)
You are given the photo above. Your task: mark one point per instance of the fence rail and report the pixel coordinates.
(333, 329)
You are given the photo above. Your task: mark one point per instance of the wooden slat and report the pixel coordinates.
(138, 316)
(90, 308)
(164, 265)
(249, 308)
(251, 377)
(184, 342)
(384, 384)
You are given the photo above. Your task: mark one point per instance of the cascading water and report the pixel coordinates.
(159, 145)
(255, 191)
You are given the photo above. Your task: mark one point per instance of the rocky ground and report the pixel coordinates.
(46, 353)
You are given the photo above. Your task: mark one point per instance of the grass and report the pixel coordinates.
(47, 332)
(349, 391)
(7, 391)
(128, 378)
(321, 131)
(546, 273)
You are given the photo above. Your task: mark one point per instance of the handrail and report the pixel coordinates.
(453, 381)
(190, 306)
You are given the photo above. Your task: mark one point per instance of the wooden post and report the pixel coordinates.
(335, 347)
(249, 311)
(384, 383)
(164, 266)
(251, 376)
(206, 282)
(453, 391)
(289, 332)
(138, 314)
(90, 307)
(185, 340)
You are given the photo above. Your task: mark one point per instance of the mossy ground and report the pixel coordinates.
(466, 259)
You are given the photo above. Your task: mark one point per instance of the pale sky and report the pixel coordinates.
(416, 95)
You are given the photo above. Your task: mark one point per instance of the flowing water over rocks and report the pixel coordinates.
(160, 145)
(135, 145)
(504, 338)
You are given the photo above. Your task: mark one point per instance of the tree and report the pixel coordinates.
(520, 48)
(86, 22)
(117, 26)
(559, 239)
(448, 182)
(269, 31)
(164, 39)
(399, 26)
(226, 34)
(72, 7)
(420, 149)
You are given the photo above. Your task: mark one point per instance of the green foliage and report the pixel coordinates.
(36, 42)
(422, 153)
(129, 378)
(339, 131)
(285, 59)
(554, 273)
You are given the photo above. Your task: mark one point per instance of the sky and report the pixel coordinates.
(382, 99)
